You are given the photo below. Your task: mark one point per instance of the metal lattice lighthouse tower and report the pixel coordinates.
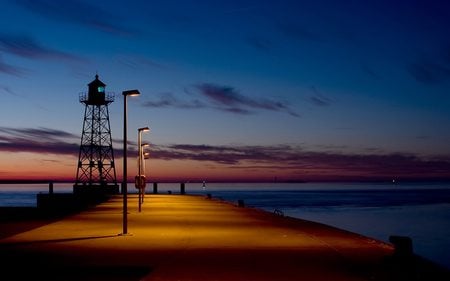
(96, 166)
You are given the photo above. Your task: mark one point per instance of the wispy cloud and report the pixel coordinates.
(223, 98)
(369, 70)
(229, 155)
(445, 52)
(10, 69)
(7, 90)
(259, 43)
(136, 62)
(292, 158)
(229, 99)
(23, 145)
(27, 47)
(288, 157)
(46, 141)
(318, 98)
(298, 32)
(40, 140)
(78, 12)
(432, 66)
(40, 133)
(429, 72)
(169, 100)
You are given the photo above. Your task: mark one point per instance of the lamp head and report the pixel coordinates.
(144, 129)
(131, 93)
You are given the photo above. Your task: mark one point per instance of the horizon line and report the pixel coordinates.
(237, 180)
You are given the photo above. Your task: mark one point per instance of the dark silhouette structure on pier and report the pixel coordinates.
(96, 167)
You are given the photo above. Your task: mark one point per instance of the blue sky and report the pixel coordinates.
(318, 80)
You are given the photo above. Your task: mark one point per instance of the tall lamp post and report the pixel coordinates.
(125, 94)
(145, 156)
(143, 169)
(141, 180)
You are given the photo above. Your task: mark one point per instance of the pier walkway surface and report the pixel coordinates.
(184, 237)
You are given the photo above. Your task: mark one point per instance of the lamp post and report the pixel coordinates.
(124, 177)
(146, 156)
(140, 179)
(141, 198)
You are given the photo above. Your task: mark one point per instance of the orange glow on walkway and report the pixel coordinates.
(180, 237)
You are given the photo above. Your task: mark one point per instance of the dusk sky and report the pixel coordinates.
(232, 90)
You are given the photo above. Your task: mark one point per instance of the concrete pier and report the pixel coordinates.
(185, 237)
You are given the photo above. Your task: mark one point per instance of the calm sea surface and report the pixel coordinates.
(418, 210)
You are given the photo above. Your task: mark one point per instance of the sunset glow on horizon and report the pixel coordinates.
(231, 90)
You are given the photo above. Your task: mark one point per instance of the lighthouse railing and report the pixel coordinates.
(84, 97)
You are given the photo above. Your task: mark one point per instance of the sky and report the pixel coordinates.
(231, 90)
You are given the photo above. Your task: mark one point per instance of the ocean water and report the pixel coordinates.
(418, 210)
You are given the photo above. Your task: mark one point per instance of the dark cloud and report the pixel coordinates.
(46, 147)
(220, 154)
(229, 99)
(46, 141)
(169, 100)
(27, 47)
(222, 98)
(236, 110)
(78, 12)
(284, 157)
(275, 157)
(39, 133)
(40, 140)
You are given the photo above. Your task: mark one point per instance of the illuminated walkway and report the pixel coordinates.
(178, 237)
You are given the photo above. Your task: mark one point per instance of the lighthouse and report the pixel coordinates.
(96, 167)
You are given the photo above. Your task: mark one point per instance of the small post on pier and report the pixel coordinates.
(50, 187)
(403, 246)
(182, 188)
(155, 188)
